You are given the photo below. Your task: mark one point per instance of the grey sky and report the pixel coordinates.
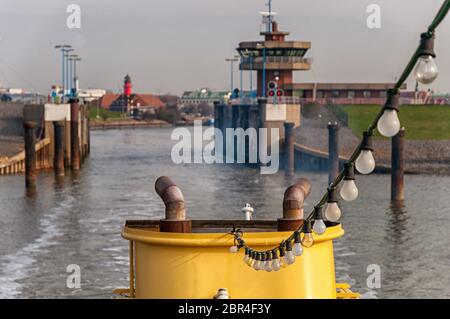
(175, 45)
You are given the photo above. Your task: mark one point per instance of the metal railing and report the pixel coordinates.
(270, 100)
(275, 59)
(344, 101)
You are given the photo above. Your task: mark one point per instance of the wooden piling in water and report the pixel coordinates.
(30, 154)
(88, 134)
(398, 166)
(289, 148)
(59, 148)
(333, 151)
(74, 135)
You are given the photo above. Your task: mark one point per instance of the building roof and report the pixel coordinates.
(341, 86)
(148, 100)
(204, 94)
(142, 99)
(107, 99)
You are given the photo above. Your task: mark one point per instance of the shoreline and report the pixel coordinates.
(124, 124)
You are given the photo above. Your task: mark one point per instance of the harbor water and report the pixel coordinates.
(78, 221)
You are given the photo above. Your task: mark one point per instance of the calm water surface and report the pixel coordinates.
(80, 220)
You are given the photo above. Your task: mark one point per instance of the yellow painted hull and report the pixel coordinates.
(196, 265)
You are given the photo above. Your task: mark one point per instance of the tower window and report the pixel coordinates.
(319, 94)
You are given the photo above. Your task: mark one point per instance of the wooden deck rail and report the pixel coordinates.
(16, 163)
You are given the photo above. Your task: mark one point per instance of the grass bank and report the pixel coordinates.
(104, 114)
(422, 122)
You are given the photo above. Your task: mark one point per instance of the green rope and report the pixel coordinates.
(405, 74)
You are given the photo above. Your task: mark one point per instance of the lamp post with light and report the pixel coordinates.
(64, 50)
(232, 60)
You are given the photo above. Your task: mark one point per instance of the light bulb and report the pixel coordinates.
(365, 163)
(246, 255)
(332, 212)
(389, 124)
(283, 262)
(308, 240)
(349, 191)
(262, 265)
(297, 249)
(252, 259)
(233, 249)
(276, 264)
(290, 257)
(257, 264)
(319, 226)
(426, 70)
(268, 266)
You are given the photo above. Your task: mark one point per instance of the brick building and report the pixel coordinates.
(342, 93)
(129, 102)
(122, 103)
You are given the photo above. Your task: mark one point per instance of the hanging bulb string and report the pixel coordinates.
(442, 13)
(440, 16)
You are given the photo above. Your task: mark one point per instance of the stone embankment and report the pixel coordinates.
(421, 156)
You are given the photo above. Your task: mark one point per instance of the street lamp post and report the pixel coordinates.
(67, 71)
(70, 58)
(63, 48)
(73, 70)
(259, 45)
(240, 81)
(251, 73)
(247, 55)
(75, 76)
(231, 60)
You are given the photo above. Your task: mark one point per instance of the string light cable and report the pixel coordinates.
(387, 123)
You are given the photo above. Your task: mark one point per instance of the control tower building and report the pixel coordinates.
(274, 59)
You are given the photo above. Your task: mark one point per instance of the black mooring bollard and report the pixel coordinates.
(30, 154)
(398, 166)
(58, 163)
(289, 148)
(333, 151)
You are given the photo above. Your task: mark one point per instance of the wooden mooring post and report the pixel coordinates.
(289, 148)
(59, 148)
(74, 135)
(398, 166)
(30, 154)
(333, 151)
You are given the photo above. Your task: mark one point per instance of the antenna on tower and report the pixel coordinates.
(269, 5)
(268, 17)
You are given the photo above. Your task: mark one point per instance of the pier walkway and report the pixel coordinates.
(11, 129)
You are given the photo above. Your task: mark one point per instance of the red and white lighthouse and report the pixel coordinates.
(127, 89)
